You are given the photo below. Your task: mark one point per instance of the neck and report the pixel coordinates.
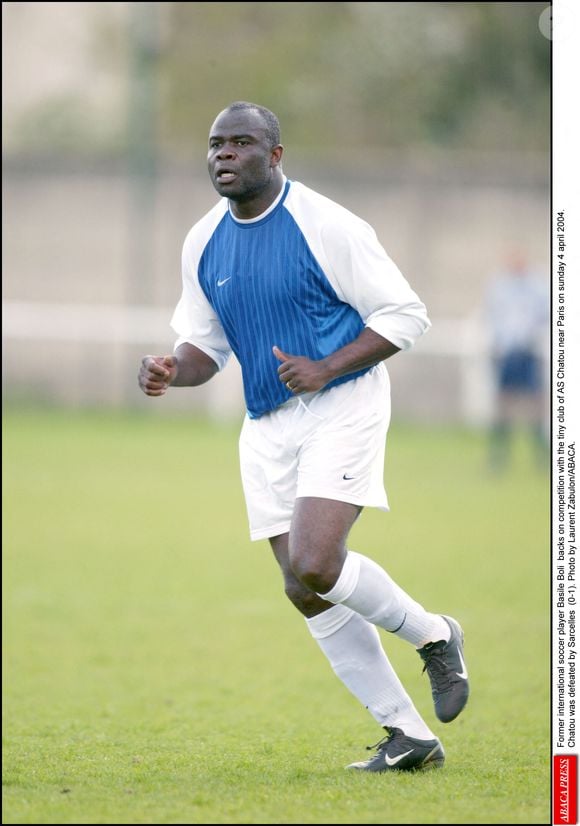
(259, 202)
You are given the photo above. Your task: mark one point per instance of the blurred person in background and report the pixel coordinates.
(517, 312)
(302, 292)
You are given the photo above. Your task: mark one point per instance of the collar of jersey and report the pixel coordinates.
(267, 214)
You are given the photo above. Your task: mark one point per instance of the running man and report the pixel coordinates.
(304, 295)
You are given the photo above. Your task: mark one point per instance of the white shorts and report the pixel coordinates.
(329, 444)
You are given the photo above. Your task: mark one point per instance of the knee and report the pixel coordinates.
(318, 569)
(303, 598)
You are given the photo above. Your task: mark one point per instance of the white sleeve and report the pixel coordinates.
(364, 276)
(194, 319)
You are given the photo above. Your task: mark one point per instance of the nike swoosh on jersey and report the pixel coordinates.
(223, 281)
(392, 761)
(347, 478)
(463, 673)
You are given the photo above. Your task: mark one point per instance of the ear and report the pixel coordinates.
(276, 156)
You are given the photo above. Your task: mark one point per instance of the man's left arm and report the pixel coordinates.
(303, 375)
(364, 276)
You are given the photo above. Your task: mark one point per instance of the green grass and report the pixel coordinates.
(155, 673)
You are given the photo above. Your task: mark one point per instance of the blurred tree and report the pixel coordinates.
(340, 75)
(359, 74)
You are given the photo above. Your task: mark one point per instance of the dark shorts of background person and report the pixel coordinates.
(520, 372)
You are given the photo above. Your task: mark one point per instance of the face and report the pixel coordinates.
(516, 261)
(242, 165)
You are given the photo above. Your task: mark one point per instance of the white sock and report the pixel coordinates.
(353, 648)
(366, 588)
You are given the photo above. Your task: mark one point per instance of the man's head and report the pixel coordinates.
(244, 155)
(516, 260)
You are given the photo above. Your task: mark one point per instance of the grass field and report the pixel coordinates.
(155, 673)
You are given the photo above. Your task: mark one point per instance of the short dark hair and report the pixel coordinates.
(269, 118)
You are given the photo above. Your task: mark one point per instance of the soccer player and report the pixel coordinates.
(517, 313)
(302, 292)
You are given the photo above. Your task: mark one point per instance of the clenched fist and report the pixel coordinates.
(156, 374)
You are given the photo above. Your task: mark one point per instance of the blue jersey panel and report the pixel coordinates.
(267, 288)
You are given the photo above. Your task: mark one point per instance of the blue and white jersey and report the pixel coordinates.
(517, 309)
(306, 275)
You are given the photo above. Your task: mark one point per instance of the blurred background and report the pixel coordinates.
(131, 586)
(429, 120)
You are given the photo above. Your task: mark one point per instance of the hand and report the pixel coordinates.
(301, 374)
(156, 374)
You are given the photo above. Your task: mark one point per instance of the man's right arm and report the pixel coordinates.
(187, 367)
